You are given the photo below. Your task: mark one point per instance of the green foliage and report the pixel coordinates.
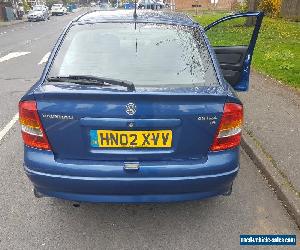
(49, 3)
(65, 2)
(277, 51)
(270, 7)
(26, 6)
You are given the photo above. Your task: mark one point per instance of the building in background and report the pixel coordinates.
(36, 2)
(204, 4)
(8, 10)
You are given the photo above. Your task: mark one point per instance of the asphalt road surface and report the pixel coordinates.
(30, 223)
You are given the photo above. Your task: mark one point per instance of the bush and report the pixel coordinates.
(26, 6)
(240, 6)
(270, 7)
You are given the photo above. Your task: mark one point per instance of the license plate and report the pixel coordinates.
(131, 139)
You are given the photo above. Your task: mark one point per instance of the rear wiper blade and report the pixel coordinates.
(93, 80)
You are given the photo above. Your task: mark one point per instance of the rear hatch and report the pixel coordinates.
(72, 116)
(56, 8)
(178, 100)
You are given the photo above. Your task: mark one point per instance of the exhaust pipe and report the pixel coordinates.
(229, 191)
(37, 194)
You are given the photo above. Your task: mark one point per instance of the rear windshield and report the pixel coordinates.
(37, 8)
(145, 54)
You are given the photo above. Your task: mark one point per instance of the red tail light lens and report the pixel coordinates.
(229, 131)
(32, 130)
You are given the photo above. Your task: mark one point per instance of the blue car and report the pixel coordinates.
(136, 108)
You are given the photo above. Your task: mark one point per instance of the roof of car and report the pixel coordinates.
(142, 16)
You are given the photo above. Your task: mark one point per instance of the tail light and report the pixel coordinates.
(32, 130)
(229, 132)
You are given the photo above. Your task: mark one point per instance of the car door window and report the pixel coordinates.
(234, 32)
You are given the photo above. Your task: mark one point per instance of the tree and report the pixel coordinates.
(26, 6)
(252, 6)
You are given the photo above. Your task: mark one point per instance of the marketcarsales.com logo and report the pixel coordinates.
(268, 240)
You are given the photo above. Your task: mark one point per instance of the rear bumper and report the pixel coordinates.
(153, 182)
(57, 12)
(35, 18)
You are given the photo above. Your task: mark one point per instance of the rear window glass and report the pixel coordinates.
(145, 54)
(37, 8)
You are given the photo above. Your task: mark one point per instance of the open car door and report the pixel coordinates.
(235, 59)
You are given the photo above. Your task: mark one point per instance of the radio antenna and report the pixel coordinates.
(135, 6)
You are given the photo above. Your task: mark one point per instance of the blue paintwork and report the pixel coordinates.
(76, 171)
(243, 85)
(141, 123)
(151, 107)
(165, 181)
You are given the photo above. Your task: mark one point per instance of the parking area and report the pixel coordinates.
(30, 223)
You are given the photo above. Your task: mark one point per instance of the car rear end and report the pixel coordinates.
(175, 138)
(34, 16)
(57, 9)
